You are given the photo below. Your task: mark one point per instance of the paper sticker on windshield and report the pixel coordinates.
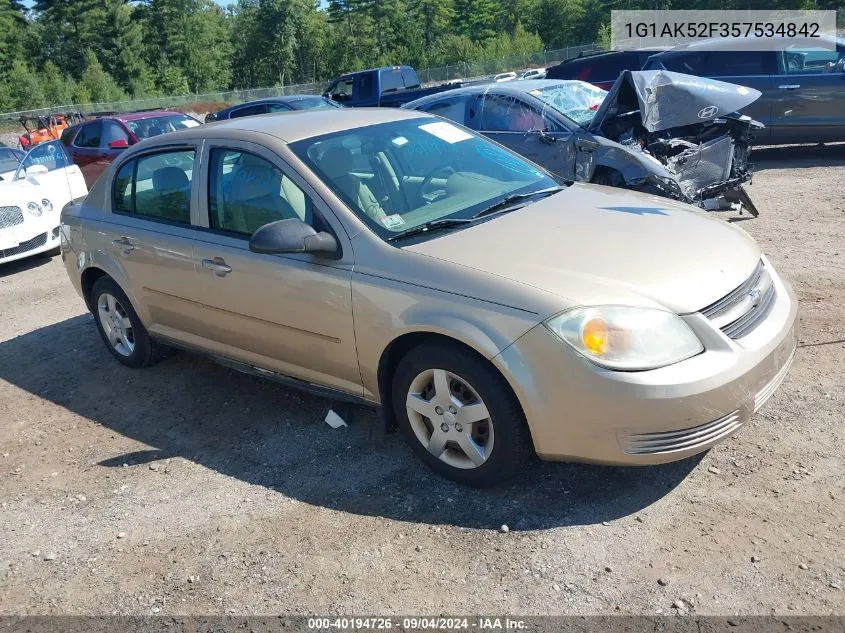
(446, 132)
(393, 221)
(190, 123)
(742, 90)
(399, 141)
(536, 93)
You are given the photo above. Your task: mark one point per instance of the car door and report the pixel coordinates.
(753, 69)
(810, 105)
(289, 314)
(536, 135)
(149, 234)
(62, 181)
(85, 151)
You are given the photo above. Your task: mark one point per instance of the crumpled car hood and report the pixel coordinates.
(668, 100)
(591, 244)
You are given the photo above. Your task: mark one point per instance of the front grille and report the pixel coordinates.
(766, 392)
(744, 308)
(683, 440)
(23, 247)
(10, 216)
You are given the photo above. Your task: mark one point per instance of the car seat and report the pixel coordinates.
(255, 199)
(174, 194)
(336, 164)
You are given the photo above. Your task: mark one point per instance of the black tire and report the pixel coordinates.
(512, 445)
(146, 351)
(607, 177)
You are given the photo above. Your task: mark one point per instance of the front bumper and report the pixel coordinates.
(29, 241)
(578, 411)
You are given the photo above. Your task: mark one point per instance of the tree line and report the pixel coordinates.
(60, 52)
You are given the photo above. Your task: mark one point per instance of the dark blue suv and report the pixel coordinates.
(803, 98)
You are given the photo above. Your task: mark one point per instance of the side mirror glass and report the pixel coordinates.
(292, 236)
(120, 143)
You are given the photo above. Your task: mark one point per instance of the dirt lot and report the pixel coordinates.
(190, 489)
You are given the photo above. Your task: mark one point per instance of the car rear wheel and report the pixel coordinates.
(460, 416)
(120, 327)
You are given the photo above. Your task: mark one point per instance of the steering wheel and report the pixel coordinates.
(427, 182)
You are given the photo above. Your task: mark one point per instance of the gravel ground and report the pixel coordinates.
(191, 489)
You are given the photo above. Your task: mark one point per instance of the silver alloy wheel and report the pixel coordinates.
(116, 324)
(450, 419)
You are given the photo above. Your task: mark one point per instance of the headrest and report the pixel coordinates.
(336, 161)
(168, 179)
(255, 181)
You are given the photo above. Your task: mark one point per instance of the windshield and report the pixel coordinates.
(401, 175)
(577, 100)
(51, 155)
(153, 126)
(313, 103)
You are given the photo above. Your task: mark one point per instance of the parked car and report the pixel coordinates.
(532, 73)
(509, 76)
(394, 259)
(95, 143)
(621, 138)
(601, 68)
(30, 201)
(802, 88)
(388, 86)
(10, 158)
(272, 104)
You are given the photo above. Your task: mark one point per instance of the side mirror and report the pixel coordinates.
(120, 143)
(292, 236)
(34, 170)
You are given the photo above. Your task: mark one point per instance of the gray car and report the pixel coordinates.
(802, 88)
(687, 145)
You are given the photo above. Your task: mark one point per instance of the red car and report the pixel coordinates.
(96, 142)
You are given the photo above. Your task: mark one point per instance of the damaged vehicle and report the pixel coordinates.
(658, 132)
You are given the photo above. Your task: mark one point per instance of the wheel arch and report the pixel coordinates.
(400, 346)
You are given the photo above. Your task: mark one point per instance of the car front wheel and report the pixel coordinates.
(460, 416)
(119, 326)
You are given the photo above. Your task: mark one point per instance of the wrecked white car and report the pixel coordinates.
(660, 132)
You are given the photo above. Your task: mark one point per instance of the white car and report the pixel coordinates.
(32, 199)
(533, 73)
(504, 77)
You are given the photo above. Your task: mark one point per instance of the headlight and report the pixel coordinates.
(626, 338)
(34, 209)
(46, 205)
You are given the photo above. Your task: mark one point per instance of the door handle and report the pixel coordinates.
(790, 86)
(124, 244)
(218, 265)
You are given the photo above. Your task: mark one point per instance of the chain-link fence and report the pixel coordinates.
(428, 76)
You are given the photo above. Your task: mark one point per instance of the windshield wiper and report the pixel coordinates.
(516, 197)
(434, 225)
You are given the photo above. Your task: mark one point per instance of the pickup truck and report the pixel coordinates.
(388, 86)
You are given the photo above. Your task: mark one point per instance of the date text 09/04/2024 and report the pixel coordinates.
(415, 623)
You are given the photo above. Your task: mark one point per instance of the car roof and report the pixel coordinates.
(279, 99)
(137, 116)
(729, 43)
(290, 127)
(523, 86)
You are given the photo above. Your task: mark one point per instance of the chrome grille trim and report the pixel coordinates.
(745, 307)
(766, 392)
(10, 216)
(735, 296)
(684, 439)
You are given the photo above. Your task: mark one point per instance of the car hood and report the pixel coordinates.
(595, 245)
(668, 100)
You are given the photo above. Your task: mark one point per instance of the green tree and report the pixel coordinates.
(13, 31)
(96, 83)
(122, 49)
(59, 89)
(22, 88)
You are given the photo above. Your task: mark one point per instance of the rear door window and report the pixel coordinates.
(391, 80)
(156, 186)
(89, 135)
